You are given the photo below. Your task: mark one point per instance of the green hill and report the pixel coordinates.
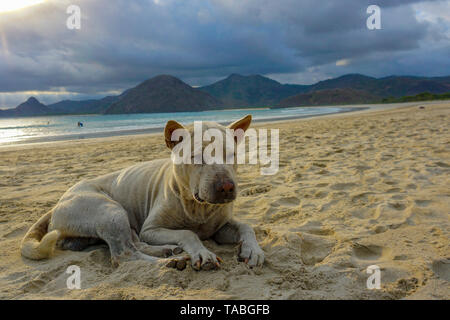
(250, 91)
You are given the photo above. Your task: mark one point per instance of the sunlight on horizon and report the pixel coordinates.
(11, 5)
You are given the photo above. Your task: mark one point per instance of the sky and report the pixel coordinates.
(124, 42)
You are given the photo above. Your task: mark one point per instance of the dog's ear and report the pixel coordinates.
(241, 124)
(171, 126)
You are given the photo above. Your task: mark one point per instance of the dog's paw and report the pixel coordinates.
(167, 252)
(205, 260)
(177, 263)
(251, 254)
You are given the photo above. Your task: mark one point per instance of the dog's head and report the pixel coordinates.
(199, 169)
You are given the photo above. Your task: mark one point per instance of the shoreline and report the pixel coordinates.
(91, 137)
(143, 131)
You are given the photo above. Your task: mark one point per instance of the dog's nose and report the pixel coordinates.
(225, 190)
(228, 186)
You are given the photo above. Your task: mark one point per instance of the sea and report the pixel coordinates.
(65, 127)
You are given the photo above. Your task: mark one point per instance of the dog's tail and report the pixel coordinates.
(37, 243)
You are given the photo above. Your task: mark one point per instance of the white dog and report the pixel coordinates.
(151, 209)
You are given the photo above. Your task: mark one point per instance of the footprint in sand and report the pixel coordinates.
(371, 180)
(362, 168)
(370, 252)
(422, 203)
(34, 286)
(343, 186)
(398, 205)
(442, 164)
(273, 215)
(441, 268)
(393, 190)
(39, 283)
(362, 197)
(322, 185)
(380, 229)
(325, 206)
(411, 186)
(313, 227)
(288, 202)
(16, 232)
(320, 194)
(255, 190)
(319, 164)
(314, 249)
(398, 197)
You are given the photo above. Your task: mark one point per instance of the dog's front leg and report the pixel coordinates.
(237, 232)
(201, 258)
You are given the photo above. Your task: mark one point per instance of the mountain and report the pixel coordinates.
(83, 106)
(338, 96)
(251, 91)
(398, 86)
(424, 96)
(256, 90)
(353, 81)
(395, 86)
(31, 107)
(163, 93)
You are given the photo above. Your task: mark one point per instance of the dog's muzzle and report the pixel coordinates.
(224, 192)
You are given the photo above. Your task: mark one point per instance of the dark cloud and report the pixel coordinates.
(123, 42)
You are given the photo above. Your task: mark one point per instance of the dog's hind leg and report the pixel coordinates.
(91, 214)
(114, 228)
(77, 243)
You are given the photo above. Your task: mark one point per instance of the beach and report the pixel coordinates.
(353, 190)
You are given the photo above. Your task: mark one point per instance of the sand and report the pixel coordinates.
(353, 190)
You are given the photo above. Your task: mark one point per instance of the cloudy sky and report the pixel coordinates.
(123, 42)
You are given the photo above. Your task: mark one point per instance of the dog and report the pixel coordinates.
(151, 210)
